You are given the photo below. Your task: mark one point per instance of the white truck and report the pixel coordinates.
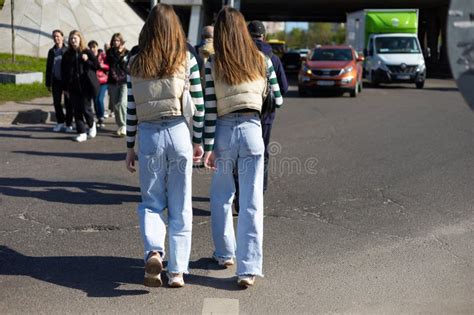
(388, 39)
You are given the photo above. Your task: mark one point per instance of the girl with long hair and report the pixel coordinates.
(78, 68)
(236, 82)
(155, 89)
(117, 57)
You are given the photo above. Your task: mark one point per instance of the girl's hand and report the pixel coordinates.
(85, 57)
(197, 153)
(130, 160)
(210, 160)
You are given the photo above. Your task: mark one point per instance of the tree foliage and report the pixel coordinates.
(316, 34)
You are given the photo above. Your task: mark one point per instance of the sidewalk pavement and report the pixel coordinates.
(36, 111)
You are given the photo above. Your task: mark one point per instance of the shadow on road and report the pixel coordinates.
(90, 193)
(97, 276)
(76, 155)
(79, 193)
(228, 283)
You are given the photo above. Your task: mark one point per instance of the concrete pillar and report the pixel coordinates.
(432, 36)
(443, 20)
(422, 32)
(195, 24)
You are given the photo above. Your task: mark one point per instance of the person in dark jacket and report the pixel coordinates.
(257, 31)
(78, 72)
(54, 85)
(117, 57)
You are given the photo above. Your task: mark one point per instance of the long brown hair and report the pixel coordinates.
(82, 43)
(120, 37)
(162, 44)
(237, 58)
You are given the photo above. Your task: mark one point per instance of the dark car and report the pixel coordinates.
(291, 61)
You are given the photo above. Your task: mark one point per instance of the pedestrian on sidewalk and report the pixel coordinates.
(102, 76)
(54, 84)
(117, 57)
(80, 83)
(236, 82)
(156, 85)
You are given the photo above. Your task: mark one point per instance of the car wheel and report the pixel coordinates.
(373, 81)
(355, 91)
(420, 85)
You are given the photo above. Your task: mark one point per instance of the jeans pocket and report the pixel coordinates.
(181, 138)
(223, 138)
(147, 141)
(252, 143)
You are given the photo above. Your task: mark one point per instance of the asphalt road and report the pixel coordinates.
(370, 211)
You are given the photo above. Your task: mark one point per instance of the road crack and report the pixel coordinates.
(444, 247)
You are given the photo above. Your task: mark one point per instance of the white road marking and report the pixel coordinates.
(213, 306)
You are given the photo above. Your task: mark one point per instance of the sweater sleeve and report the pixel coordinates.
(132, 120)
(211, 109)
(274, 84)
(195, 88)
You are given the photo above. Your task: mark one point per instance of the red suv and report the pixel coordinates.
(331, 67)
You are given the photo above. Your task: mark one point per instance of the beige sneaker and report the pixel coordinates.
(225, 262)
(175, 280)
(246, 281)
(153, 268)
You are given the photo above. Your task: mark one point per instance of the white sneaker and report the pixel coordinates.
(225, 262)
(122, 132)
(246, 281)
(92, 131)
(58, 127)
(69, 129)
(175, 280)
(81, 137)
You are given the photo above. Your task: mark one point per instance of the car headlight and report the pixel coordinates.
(307, 70)
(347, 80)
(347, 70)
(421, 67)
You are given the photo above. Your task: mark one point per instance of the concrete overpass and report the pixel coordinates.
(432, 20)
(98, 19)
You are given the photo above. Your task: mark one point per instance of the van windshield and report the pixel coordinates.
(332, 55)
(397, 45)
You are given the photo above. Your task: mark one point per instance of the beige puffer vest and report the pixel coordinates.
(156, 98)
(247, 95)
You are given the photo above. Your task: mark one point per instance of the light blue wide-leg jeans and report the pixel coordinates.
(239, 140)
(165, 166)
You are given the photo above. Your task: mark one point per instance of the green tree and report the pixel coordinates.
(296, 38)
(320, 34)
(278, 35)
